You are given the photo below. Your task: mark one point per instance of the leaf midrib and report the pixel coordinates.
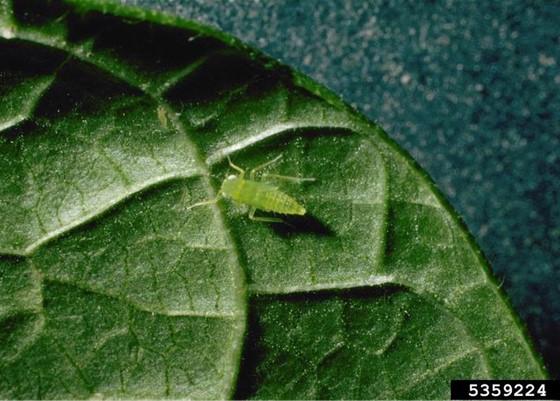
(238, 273)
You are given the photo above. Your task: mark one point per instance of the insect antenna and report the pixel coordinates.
(203, 203)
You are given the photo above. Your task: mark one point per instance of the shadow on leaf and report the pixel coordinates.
(307, 224)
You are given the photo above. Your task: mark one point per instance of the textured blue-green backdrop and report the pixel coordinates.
(471, 89)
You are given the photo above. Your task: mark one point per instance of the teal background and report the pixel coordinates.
(471, 89)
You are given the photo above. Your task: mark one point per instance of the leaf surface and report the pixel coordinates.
(112, 125)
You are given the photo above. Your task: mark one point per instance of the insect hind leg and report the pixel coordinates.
(264, 219)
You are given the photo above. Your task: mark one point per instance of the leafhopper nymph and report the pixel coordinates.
(258, 194)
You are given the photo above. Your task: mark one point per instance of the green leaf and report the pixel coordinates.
(112, 125)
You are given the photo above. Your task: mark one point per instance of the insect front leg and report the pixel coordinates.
(235, 167)
(263, 219)
(260, 167)
(289, 178)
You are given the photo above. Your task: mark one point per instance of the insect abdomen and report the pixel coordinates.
(266, 197)
(279, 202)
